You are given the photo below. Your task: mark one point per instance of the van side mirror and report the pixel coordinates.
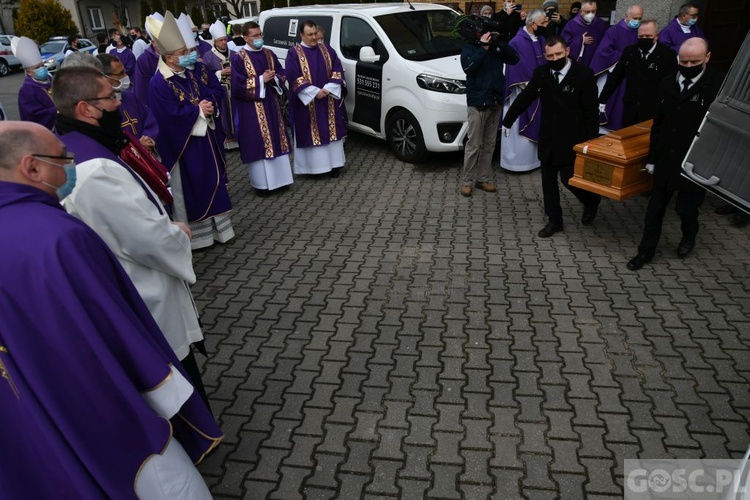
(367, 54)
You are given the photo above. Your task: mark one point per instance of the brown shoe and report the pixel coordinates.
(465, 190)
(486, 186)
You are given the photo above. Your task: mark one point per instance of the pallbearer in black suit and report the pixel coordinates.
(570, 115)
(683, 100)
(642, 66)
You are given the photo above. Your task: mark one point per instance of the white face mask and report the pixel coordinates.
(124, 84)
(588, 18)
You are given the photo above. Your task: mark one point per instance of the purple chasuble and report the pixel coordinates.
(74, 420)
(573, 34)
(174, 103)
(203, 46)
(35, 102)
(137, 118)
(609, 52)
(145, 67)
(532, 55)
(213, 62)
(262, 132)
(322, 121)
(127, 59)
(672, 35)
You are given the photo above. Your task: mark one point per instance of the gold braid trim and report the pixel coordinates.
(311, 106)
(331, 106)
(249, 69)
(279, 116)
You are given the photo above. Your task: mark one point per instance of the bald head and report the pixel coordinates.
(634, 12)
(19, 142)
(693, 52)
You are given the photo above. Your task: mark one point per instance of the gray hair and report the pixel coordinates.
(651, 21)
(485, 7)
(630, 9)
(535, 16)
(73, 85)
(15, 143)
(81, 59)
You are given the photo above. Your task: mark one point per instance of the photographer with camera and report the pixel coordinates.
(556, 21)
(482, 59)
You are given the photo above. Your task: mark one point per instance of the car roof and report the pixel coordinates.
(371, 8)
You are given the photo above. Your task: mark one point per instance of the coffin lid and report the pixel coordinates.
(621, 146)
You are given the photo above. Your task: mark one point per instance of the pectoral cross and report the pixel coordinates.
(4, 373)
(129, 122)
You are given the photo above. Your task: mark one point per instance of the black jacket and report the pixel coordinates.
(485, 83)
(675, 124)
(570, 113)
(641, 81)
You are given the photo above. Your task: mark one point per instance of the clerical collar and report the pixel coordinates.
(685, 29)
(224, 53)
(251, 48)
(308, 46)
(532, 35)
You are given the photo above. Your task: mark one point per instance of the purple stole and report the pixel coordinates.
(322, 121)
(532, 56)
(262, 131)
(137, 118)
(573, 34)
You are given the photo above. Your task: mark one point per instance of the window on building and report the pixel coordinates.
(96, 18)
(217, 10)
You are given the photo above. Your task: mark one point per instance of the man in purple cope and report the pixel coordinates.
(583, 33)
(35, 95)
(95, 403)
(682, 27)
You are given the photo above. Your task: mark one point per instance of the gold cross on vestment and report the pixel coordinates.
(129, 122)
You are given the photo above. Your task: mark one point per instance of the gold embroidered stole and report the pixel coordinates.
(307, 78)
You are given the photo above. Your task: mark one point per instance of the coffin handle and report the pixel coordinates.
(713, 180)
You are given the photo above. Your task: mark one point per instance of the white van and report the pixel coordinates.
(403, 69)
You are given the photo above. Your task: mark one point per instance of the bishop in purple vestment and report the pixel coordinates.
(619, 36)
(316, 80)
(681, 28)
(83, 384)
(584, 33)
(145, 68)
(35, 101)
(217, 60)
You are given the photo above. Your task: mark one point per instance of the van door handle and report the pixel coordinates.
(697, 178)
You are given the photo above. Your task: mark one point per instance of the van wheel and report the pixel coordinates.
(405, 137)
(4, 69)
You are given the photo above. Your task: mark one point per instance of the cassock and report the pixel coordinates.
(126, 57)
(609, 52)
(91, 392)
(573, 34)
(192, 146)
(35, 102)
(674, 34)
(319, 124)
(216, 61)
(145, 68)
(518, 151)
(264, 143)
(136, 117)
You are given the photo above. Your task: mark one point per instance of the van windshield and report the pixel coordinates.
(422, 35)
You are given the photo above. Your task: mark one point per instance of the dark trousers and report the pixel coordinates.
(551, 191)
(190, 364)
(687, 207)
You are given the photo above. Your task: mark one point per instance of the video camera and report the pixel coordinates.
(472, 27)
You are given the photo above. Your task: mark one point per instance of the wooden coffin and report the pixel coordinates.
(614, 165)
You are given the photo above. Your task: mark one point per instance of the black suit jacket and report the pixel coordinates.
(570, 111)
(641, 81)
(677, 120)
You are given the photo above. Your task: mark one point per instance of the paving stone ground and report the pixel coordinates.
(380, 336)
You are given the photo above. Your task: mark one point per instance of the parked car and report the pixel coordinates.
(7, 60)
(53, 51)
(403, 69)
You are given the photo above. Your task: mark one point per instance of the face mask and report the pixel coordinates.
(541, 31)
(70, 180)
(185, 61)
(645, 44)
(258, 43)
(557, 65)
(41, 73)
(110, 121)
(691, 21)
(193, 57)
(635, 24)
(588, 18)
(124, 84)
(690, 72)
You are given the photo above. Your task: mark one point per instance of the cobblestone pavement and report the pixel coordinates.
(380, 336)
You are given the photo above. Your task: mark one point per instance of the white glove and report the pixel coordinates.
(506, 132)
(602, 108)
(650, 168)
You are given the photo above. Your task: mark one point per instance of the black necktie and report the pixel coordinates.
(686, 85)
(557, 77)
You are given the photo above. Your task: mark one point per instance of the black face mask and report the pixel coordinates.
(111, 121)
(645, 44)
(541, 31)
(557, 65)
(690, 72)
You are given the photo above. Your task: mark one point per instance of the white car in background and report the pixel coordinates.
(7, 60)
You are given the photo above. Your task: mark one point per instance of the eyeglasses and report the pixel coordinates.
(111, 97)
(70, 157)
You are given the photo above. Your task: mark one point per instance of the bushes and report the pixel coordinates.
(41, 19)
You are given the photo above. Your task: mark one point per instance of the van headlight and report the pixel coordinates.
(440, 84)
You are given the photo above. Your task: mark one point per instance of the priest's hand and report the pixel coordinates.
(226, 71)
(587, 40)
(649, 168)
(269, 75)
(207, 107)
(147, 141)
(322, 94)
(184, 228)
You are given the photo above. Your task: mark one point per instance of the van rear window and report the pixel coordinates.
(422, 35)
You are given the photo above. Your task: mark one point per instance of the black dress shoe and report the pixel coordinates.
(639, 260)
(549, 230)
(589, 214)
(685, 247)
(725, 209)
(336, 173)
